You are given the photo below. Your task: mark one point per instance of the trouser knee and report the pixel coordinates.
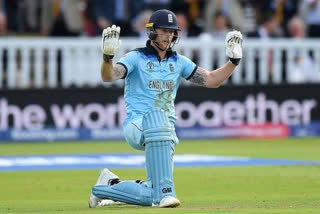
(157, 127)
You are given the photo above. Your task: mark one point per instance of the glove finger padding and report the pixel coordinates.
(110, 40)
(117, 32)
(234, 44)
(113, 31)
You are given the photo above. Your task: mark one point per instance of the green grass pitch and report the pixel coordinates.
(239, 189)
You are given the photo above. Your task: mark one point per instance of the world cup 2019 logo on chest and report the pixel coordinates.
(150, 66)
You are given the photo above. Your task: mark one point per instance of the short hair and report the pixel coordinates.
(265, 17)
(219, 13)
(298, 20)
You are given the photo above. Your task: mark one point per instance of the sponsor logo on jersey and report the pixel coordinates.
(161, 84)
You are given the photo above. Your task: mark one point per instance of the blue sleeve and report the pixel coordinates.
(128, 61)
(188, 68)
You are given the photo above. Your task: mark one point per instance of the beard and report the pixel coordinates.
(164, 44)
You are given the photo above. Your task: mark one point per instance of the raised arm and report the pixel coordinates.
(110, 45)
(213, 79)
(111, 72)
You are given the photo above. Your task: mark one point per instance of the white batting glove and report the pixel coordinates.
(110, 41)
(234, 46)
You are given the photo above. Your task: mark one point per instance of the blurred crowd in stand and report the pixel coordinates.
(262, 19)
(255, 18)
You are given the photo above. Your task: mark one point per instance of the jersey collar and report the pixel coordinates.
(149, 50)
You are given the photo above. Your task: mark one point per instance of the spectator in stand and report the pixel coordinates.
(296, 28)
(61, 18)
(218, 31)
(230, 9)
(250, 11)
(268, 28)
(310, 11)
(192, 10)
(14, 19)
(220, 26)
(183, 24)
(31, 9)
(303, 68)
(3, 18)
(104, 11)
(187, 30)
(119, 12)
(87, 12)
(139, 24)
(285, 10)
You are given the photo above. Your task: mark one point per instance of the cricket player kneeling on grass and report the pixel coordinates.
(152, 75)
